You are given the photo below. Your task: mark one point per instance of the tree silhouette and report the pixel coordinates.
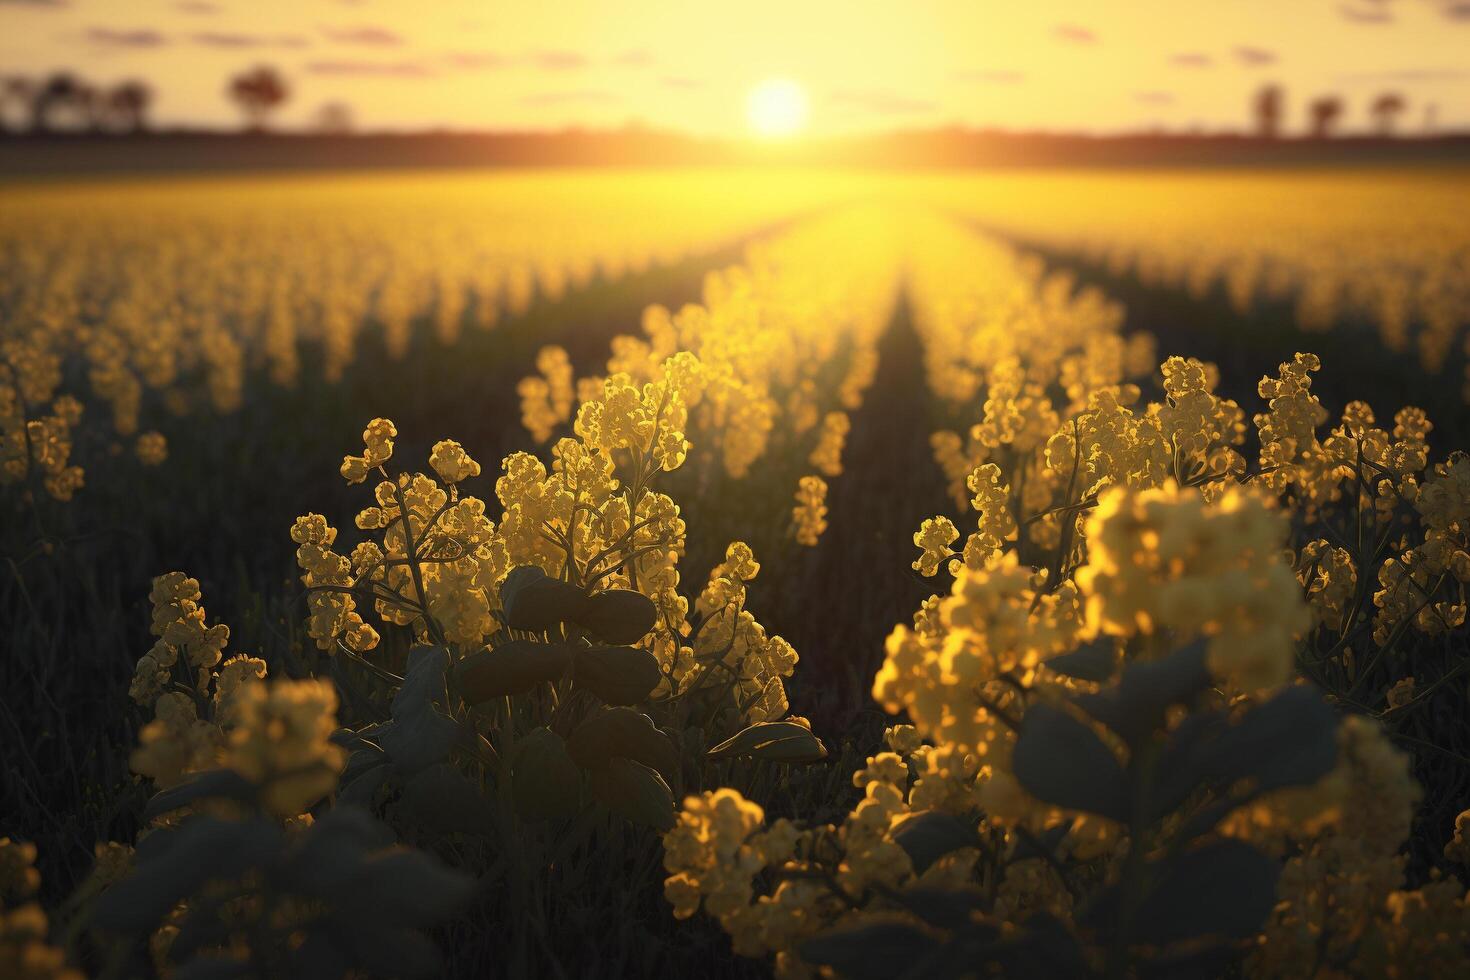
(1268, 111)
(334, 118)
(128, 103)
(1325, 112)
(1386, 109)
(258, 92)
(61, 91)
(16, 90)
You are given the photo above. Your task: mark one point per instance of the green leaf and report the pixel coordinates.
(421, 734)
(623, 733)
(172, 865)
(1135, 706)
(928, 835)
(1061, 761)
(402, 887)
(515, 667)
(773, 741)
(634, 792)
(617, 675)
(1290, 740)
(1225, 889)
(1095, 661)
(535, 602)
(547, 784)
(876, 950)
(441, 800)
(619, 616)
(214, 784)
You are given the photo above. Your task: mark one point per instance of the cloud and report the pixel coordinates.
(1155, 98)
(680, 82)
(242, 40)
(137, 37)
(1371, 13)
(1407, 75)
(1074, 34)
(477, 60)
(879, 101)
(634, 59)
(370, 69)
(53, 4)
(201, 7)
(364, 34)
(586, 96)
(1254, 57)
(1192, 59)
(558, 60)
(991, 76)
(1458, 10)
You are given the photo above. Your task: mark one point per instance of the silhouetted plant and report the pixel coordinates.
(259, 92)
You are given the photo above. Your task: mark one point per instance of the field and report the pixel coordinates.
(717, 572)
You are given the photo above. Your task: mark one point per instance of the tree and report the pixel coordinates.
(1386, 109)
(128, 103)
(15, 90)
(1268, 111)
(258, 92)
(1325, 112)
(61, 91)
(334, 118)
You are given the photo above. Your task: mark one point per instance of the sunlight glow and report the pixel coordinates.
(776, 108)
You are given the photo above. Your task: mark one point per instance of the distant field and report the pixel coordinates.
(943, 411)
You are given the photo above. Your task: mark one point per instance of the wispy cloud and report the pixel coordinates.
(1191, 59)
(1254, 57)
(201, 7)
(1456, 10)
(1154, 98)
(370, 69)
(368, 34)
(53, 4)
(242, 39)
(1360, 12)
(135, 37)
(680, 82)
(1407, 75)
(881, 101)
(585, 96)
(558, 60)
(991, 76)
(477, 60)
(634, 59)
(1074, 34)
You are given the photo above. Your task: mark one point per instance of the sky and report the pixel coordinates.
(865, 65)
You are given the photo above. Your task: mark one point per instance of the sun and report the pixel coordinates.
(776, 108)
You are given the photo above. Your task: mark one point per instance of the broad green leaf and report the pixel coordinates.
(618, 616)
(617, 675)
(535, 602)
(623, 733)
(514, 667)
(773, 741)
(1061, 761)
(635, 792)
(547, 784)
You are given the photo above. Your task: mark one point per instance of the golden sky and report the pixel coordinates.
(865, 64)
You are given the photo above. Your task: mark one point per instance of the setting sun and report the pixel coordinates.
(777, 107)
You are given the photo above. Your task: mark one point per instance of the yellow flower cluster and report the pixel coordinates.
(182, 292)
(786, 342)
(809, 516)
(1386, 247)
(211, 712)
(25, 953)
